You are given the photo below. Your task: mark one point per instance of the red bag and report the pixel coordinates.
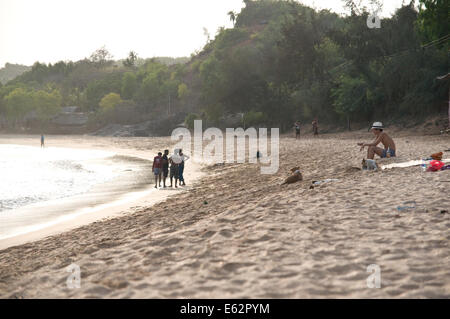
(436, 165)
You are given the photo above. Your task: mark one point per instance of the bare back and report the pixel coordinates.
(386, 140)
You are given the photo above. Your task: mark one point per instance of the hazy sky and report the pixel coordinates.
(54, 30)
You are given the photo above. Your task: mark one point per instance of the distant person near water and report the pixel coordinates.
(165, 167)
(380, 137)
(297, 129)
(175, 161)
(157, 169)
(42, 140)
(184, 158)
(315, 127)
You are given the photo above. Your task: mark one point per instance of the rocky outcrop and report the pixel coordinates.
(160, 127)
(70, 117)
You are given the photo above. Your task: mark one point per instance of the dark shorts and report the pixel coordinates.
(174, 171)
(391, 152)
(165, 171)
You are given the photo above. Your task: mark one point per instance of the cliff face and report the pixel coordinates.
(154, 127)
(70, 119)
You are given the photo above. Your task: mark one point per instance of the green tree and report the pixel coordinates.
(350, 97)
(253, 118)
(232, 16)
(47, 104)
(183, 91)
(101, 57)
(109, 101)
(18, 104)
(434, 21)
(130, 61)
(97, 89)
(189, 120)
(129, 85)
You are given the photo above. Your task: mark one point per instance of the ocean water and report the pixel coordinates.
(41, 186)
(29, 174)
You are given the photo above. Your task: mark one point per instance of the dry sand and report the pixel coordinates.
(239, 234)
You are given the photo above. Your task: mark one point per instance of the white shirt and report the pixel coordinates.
(176, 159)
(184, 157)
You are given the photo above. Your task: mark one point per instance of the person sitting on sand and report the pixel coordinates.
(380, 137)
(175, 161)
(156, 169)
(165, 167)
(184, 158)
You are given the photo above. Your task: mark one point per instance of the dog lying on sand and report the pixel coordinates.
(437, 156)
(295, 177)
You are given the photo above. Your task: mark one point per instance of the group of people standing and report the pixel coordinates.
(315, 128)
(175, 162)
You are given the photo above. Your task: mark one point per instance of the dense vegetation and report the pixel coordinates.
(280, 62)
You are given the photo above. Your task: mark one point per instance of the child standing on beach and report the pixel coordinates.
(156, 169)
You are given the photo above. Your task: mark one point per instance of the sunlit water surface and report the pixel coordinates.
(33, 181)
(29, 174)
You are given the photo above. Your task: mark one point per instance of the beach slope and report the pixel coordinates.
(239, 234)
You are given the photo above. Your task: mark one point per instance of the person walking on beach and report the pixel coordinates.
(175, 161)
(165, 167)
(156, 169)
(315, 127)
(184, 158)
(42, 140)
(380, 137)
(297, 129)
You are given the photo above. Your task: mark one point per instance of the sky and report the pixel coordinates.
(53, 30)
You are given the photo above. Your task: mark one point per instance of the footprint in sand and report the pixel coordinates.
(170, 242)
(235, 266)
(226, 233)
(98, 291)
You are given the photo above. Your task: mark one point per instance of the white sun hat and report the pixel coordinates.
(377, 125)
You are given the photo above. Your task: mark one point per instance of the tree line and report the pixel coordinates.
(281, 61)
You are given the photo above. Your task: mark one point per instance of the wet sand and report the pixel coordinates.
(117, 197)
(239, 234)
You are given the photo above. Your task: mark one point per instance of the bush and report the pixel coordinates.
(189, 120)
(253, 118)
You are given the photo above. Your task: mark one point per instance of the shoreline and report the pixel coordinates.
(121, 205)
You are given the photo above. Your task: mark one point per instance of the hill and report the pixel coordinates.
(282, 61)
(10, 71)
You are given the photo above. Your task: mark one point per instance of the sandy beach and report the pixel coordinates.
(235, 233)
(107, 200)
